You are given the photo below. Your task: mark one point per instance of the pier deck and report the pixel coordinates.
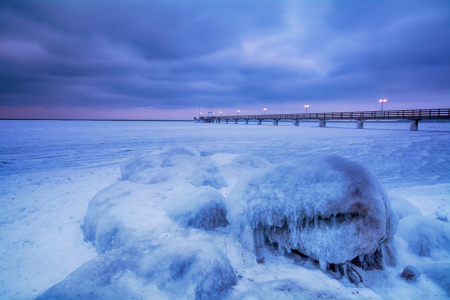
(415, 115)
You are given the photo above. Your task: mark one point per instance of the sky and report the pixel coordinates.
(135, 59)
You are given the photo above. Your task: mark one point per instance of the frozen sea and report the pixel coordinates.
(49, 170)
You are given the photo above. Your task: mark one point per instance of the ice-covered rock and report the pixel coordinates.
(139, 225)
(124, 213)
(328, 208)
(205, 209)
(402, 206)
(176, 165)
(426, 236)
(136, 209)
(410, 273)
(183, 270)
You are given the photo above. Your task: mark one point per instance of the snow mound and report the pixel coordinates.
(328, 208)
(402, 206)
(199, 271)
(204, 209)
(174, 165)
(426, 236)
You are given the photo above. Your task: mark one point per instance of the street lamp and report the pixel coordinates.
(239, 111)
(306, 106)
(382, 101)
(220, 113)
(265, 111)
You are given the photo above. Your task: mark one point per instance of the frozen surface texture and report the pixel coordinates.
(426, 236)
(328, 208)
(251, 161)
(199, 271)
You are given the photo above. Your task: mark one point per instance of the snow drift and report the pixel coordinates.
(329, 208)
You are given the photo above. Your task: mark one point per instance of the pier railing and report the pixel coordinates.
(439, 113)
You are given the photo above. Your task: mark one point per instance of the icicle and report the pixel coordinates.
(361, 258)
(301, 224)
(316, 222)
(347, 217)
(323, 264)
(259, 237)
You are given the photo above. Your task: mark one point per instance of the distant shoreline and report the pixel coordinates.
(119, 120)
(127, 120)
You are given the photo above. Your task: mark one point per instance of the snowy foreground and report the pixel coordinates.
(172, 210)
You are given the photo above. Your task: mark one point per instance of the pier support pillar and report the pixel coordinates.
(226, 121)
(246, 122)
(235, 121)
(218, 121)
(415, 124)
(295, 122)
(360, 123)
(275, 122)
(258, 122)
(322, 123)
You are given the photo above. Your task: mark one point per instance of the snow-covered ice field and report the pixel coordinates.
(50, 171)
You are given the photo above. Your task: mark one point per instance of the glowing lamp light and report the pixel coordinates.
(382, 101)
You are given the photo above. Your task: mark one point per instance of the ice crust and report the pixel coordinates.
(176, 165)
(329, 208)
(204, 209)
(199, 271)
(426, 236)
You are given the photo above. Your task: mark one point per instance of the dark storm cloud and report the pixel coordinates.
(181, 53)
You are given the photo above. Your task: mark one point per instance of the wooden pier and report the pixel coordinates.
(414, 115)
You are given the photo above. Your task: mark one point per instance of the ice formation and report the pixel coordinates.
(426, 236)
(205, 209)
(199, 271)
(149, 229)
(175, 165)
(329, 208)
